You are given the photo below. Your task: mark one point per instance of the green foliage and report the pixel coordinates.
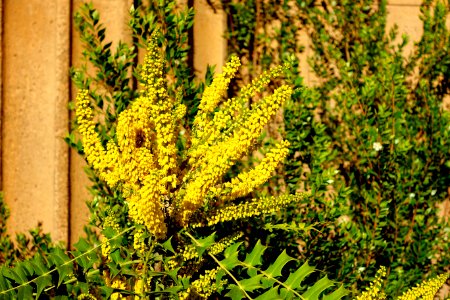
(369, 137)
(386, 133)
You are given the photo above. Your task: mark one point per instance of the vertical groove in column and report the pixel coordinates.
(61, 121)
(1, 94)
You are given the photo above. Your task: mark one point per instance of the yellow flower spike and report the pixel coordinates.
(374, 292)
(246, 182)
(426, 290)
(95, 153)
(118, 283)
(252, 208)
(205, 285)
(211, 98)
(218, 88)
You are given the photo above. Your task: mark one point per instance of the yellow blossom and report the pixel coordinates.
(206, 285)
(425, 290)
(118, 283)
(246, 182)
(219, 158)
(374, 291)
(252, 208)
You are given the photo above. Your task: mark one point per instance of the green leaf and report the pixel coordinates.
(12, 274)
(313, 292)
(275, 269)
(25, 292)
(38, 265)
(252, 283)
(235, 293)
(61, 261)
(107, 291)
(231, 256)
(295, 279)
(337, 294)
(203, 244)
(42, 282)
(271, 294)
(82, 245)
(254, 258)
(168, 245)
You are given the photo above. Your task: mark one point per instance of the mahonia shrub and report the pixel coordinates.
(173, 198)
(166, 189)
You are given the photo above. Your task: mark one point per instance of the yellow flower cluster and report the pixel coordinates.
(138, 241)
(426, 290)
(205, 285)
(220, 157)
(111, 222)
(95, 153)
(211, 98)
(86, 297)
(144, 159)
(189, 252)
(118, 283)
(374, 291)
(252, 208)
(230, 115)
(246, 182)
(142, 163)
(221, 245)
(139, 288)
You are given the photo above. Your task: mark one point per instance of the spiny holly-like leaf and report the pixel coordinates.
(270, 294)
(235, 293)
(61, 260)
(107, 291)
(4, 284)
(168, 245)
(231, 256)
(251, 283)
(42, 282)
(337, 294)
(295, 279)
(25, 292)
(18, 277)
(38, 265)
(313, 292)
(254, 258)
(202, 244)
(275, 269)
(82, 245)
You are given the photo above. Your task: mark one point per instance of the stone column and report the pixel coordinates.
(35, 68)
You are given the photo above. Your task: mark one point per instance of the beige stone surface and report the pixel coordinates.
(34, 117)
(408, 22)
(210, 46)
(405, 2)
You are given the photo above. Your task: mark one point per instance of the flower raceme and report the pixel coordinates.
(143, 163)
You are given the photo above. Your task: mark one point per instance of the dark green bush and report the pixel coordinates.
(372, 126)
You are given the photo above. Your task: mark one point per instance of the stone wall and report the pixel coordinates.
(42, 180)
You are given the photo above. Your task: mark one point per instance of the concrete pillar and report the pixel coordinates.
(35, 65)
(210, 46)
